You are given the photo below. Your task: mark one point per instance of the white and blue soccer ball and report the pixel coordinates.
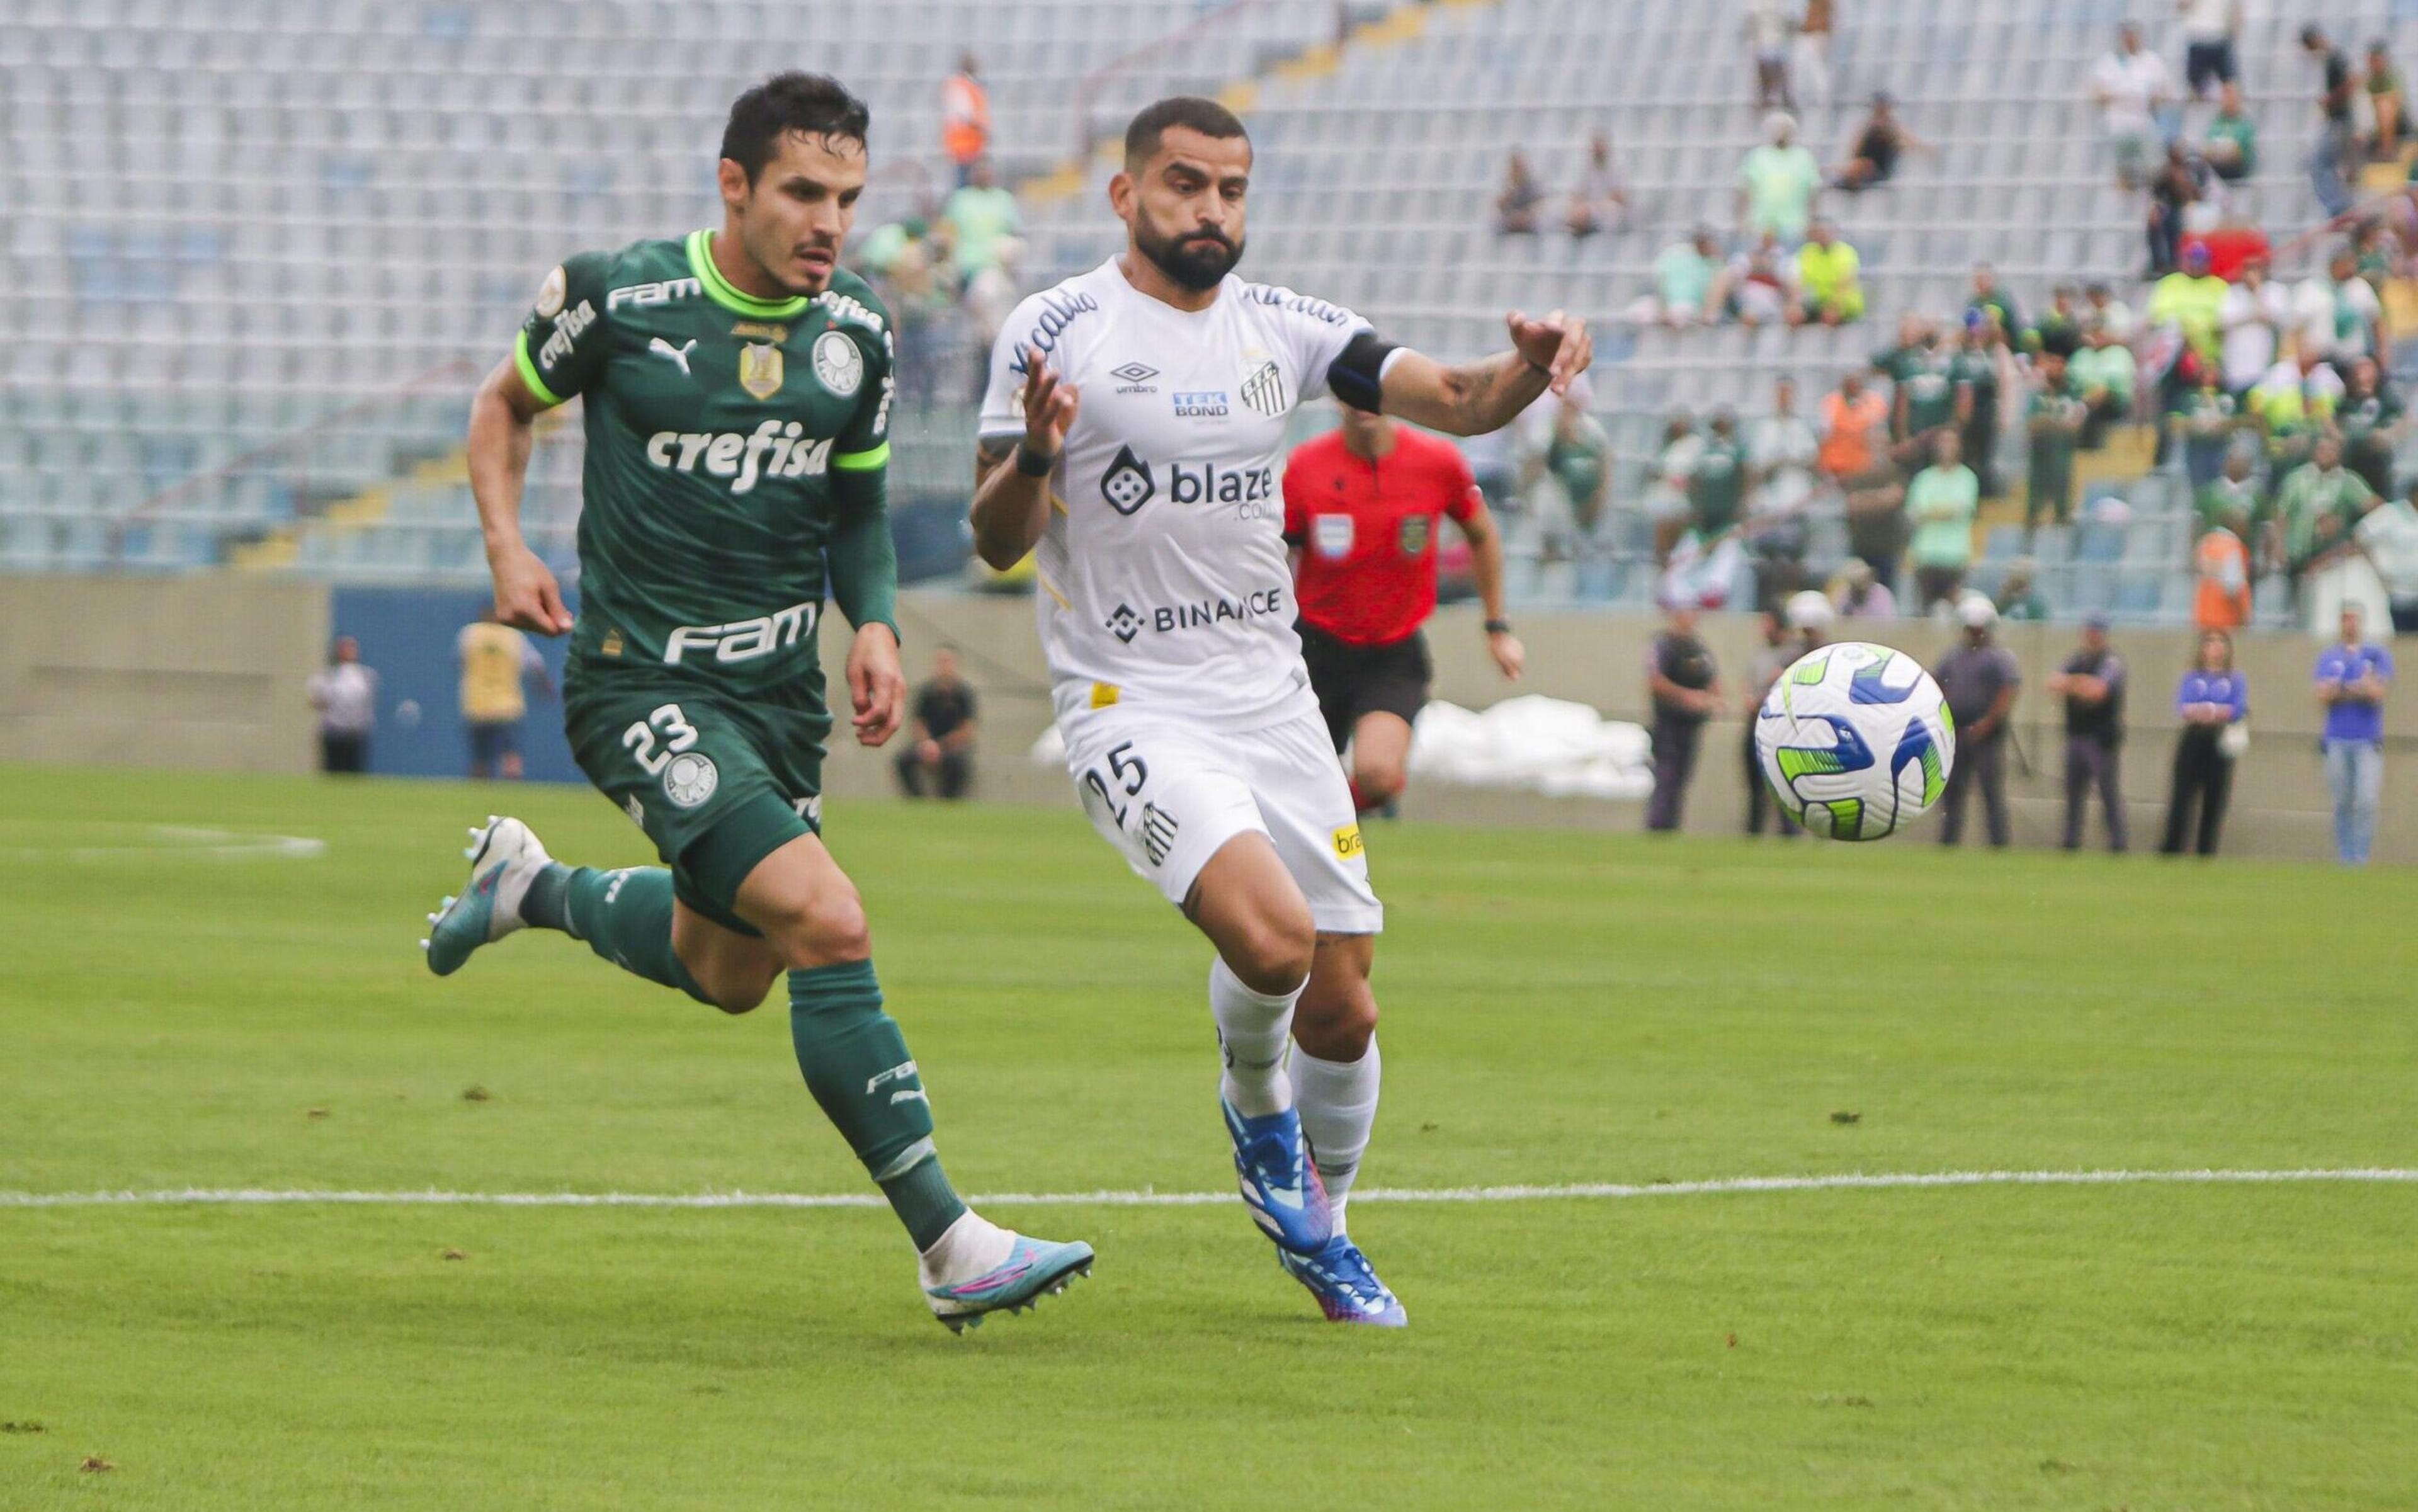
(1856, 742)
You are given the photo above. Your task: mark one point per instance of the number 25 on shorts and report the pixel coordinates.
(1130, 772)
(678, 735)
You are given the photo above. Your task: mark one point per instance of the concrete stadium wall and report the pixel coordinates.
(181, 671)
(209, 672)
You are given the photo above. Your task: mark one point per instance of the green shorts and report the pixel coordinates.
(718, 780)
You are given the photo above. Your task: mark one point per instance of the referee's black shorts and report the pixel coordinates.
(1352, 681)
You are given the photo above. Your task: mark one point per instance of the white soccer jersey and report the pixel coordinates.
(1163, 574)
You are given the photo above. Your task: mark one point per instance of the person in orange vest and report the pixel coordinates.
(965, 117)
(2223, 562)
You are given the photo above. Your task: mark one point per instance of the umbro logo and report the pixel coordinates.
(1134, 373)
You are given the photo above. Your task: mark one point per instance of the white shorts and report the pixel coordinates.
(1166, 794)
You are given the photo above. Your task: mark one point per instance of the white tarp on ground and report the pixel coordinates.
(1545, 745)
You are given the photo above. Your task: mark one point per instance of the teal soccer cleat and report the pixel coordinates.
(1034, 1268)
(504, 857)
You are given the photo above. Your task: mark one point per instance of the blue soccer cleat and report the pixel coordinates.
(1340, 1278)
(1034, 1268)
(1279, 1182)
(504, 857)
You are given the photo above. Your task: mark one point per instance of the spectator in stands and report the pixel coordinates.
(1758, 287)
(1984, 368)
(1928, 397)
(1778, 183)
(2018, 599)
(2110, 312)
(2106, 377)
(2209, 27)
(1683, 283)
(1854, 457)
(2212, 701)
(965, 118)
(2370, 420)
(1815, 25)
(2377, 249)
(1600, 201)
(2231, 492)
(1860, 595)
(2203, 423)
(1881, 142)
(1515, 208)
(2173, 190)
(1979, 681)
(1717, 484)
(1770, 36)
(1781, 449)
(2221, 563)
(496, 663)
(2054, 418)
(2386, 102)
(2340, 317)
(2318, 506)
(2093, 684)
(2337, 148)
(1573, 480)
(2352, 680)
(1762, 673)
(1667, 498)
(2294, 405)
(344, 693)
(1940, 503)
(2388, 532)
(2060, 331)
(920, 307)
(2231, 147)
(2251, 323)
(940, 758)
(1685, 688)
(982, 216)
(2132, 85)
(1990, 300)
(1829, 279)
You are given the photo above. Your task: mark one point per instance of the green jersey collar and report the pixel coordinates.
(719, 289)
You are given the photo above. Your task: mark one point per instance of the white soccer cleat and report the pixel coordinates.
(505, 856)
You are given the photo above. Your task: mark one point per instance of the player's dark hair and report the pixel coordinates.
(809, 104)
(1191, 112)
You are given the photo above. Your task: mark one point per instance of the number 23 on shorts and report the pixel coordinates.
(676, 732)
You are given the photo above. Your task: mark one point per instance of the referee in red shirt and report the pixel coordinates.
(1361, 506)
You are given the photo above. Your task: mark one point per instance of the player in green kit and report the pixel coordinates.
(737, 387)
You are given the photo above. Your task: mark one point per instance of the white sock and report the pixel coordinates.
(1253, 1028)
(1338, 1106)
(965, 1249)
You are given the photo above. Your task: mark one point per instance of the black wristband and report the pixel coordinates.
(1539, 368)
(1498, 627)
(1032, 464)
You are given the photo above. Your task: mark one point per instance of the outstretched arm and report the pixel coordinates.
(1486, 565)
(1487, 395)
(502, 415)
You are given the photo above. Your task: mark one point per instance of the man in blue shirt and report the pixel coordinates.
(2351, 682)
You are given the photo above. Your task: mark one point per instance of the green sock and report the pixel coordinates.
(625, 916)
(856, 1064)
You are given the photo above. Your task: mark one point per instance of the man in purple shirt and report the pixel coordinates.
(2352, 678)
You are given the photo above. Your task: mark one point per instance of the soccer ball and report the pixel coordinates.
(1856, 740)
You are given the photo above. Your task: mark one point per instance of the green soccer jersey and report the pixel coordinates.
(1717, 487)
(721, 430)
(2310, 495)
(2055, 418)
(1929, 379)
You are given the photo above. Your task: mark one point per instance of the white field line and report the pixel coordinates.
(173, 840)
(1591, 1191)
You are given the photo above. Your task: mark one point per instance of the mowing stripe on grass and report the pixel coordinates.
(1592, 1191)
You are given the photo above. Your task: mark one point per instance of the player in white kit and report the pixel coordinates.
(1133, 434)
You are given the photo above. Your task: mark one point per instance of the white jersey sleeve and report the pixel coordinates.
(1315, 332)
(1035, 323)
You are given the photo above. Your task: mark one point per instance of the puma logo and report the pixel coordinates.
(678, 354)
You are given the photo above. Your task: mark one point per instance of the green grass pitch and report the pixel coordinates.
(1559, 1008)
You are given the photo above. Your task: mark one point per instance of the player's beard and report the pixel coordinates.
(1200, 261)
